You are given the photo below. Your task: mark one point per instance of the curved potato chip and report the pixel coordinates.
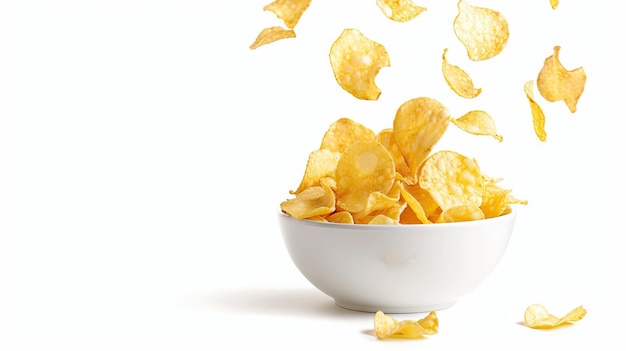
(461, 214)
(539, 119)
(400, 10)
(484, 32)
(477, 122)
(537, 317)
(452, 179)
(458, 80)
(381, 219)
(365, 167)
(386, 326)
(356, 61)
(554, 3)
(345, 132)
(555, 83)
(270, 35)
(415, 206)
(418, 125)
(385, 137)
(289, 11)
(341, 217)
(322, 163)
(496, 200)
(311, 202)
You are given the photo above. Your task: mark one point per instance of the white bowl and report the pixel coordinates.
(396, 268)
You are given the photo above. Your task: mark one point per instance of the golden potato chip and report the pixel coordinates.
(477, 122)
(356, 61)
(322, 163)
(496, 200)
(311, 202)
(385, 137)
(400, 10)
(418, 125)
(289, 11)
(458, 80)
(423, 197)
(537, 317)
(539, 119)
(554, 3)
(415, 206)
(272, 34)
(461, 214)
(555, 83)
(381, 219)
(345, 132)
(484, 32)
(386, 326)
(341, 217)
(452, 179)
(364, 168)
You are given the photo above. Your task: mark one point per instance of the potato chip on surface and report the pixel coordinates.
(365, 167)
(555, 83)
(400, 10)
(452, 179)
(289, 11)
(539, 119)
(388, 327)
(536, 316)
(478, 122)
(458, 80)
(272, 34)
(484, 32)
(322, 163)
(356, 61)
(345, 132)
(311, 202)
(418, 125)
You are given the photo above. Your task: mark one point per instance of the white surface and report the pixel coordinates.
(144, 150)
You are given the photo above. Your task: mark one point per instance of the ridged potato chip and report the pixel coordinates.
(364, 168)
(311, 202)
(458, 80)
(321, 163)
(356, 61)
(272, 34)
(345, 132)
(386, 326)
(539, 118)
(555, 83)
(452, 179)
(418, 125)
(484, 32)
(400, 10)
(537, 316)
(289, 11)
(477, 122)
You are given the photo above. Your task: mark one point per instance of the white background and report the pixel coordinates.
(144, 149)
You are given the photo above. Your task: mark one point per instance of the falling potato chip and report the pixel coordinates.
(356, 61)
(289, 11)
(539, 119)
(272, 34)
(478, 122)
(555, 83)
(484, 32)
(322, 163)
(461, 214)
(418, 125)
(458, 80)
(386, 326)
(537, 317)
(311, 202)
(400, 10)
(452, 179)
(554, 3)
(364, 168)
(345, 132)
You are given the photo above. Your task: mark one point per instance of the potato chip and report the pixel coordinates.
(496, 200)
(364, 168)
(461, 214)
(356, 61)
(415, 206)
(477, 122)
(272, 34)
(385, 137)
(381, 219)
(452, 179)
(311, 202)
(400, 10)
(289, 11)
(555, 83)
(341, 217)
(458, 80)
(423, 197)
(484, 32)
(386, 326)
(418, 125)
(554, 3)
(537, 317)
(322, 163)
(345, 132)
(539, 119)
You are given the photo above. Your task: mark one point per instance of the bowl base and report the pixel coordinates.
(395, 309)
